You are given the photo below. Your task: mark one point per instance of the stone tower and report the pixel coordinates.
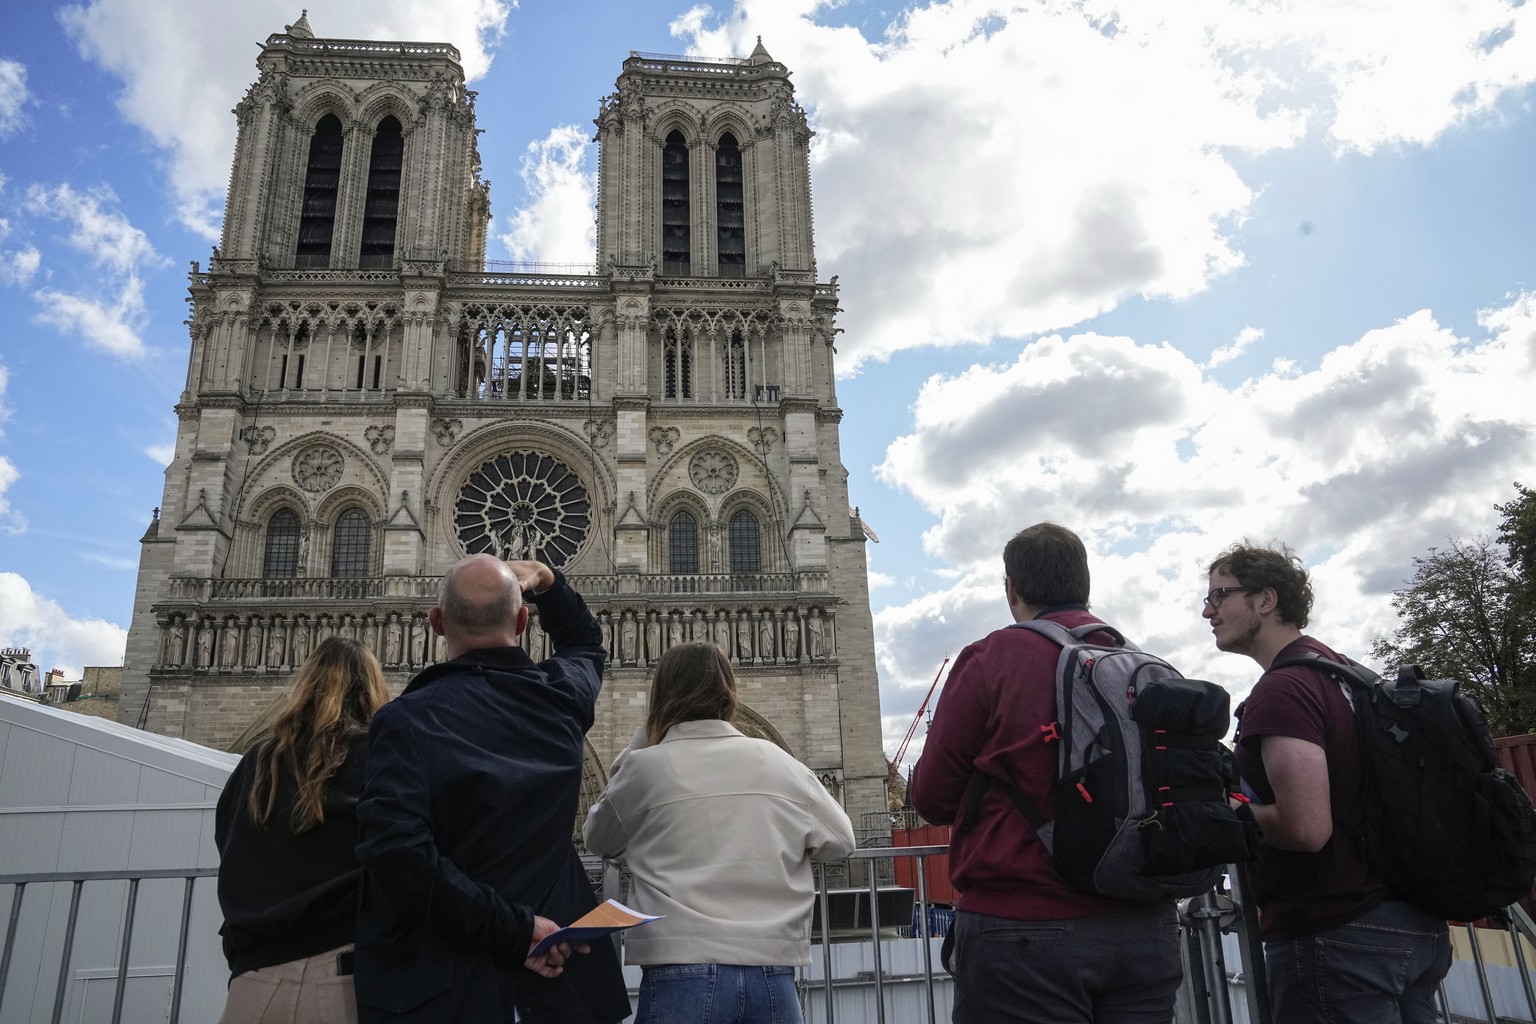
(367, 401)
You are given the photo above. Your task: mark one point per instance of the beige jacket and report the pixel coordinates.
(719, 831)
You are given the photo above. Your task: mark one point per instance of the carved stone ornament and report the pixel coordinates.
(258, 439)
(447, 430)
(762, 438)
(713, 471)
(318, 468)
(664, 438)
(599, 432)
(380, 439)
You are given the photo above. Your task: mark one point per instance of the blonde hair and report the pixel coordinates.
(693, 682)
(335, 693)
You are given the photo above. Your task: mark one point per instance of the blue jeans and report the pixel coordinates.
(718, 994)
(1381, 968)
(1120, 968)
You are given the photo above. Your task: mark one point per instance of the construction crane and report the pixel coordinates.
(901, 751)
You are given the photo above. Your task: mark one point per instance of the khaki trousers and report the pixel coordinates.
(299, 992)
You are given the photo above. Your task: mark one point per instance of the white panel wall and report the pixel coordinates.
(83, 794)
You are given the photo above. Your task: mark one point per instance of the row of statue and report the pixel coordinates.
(632, 636)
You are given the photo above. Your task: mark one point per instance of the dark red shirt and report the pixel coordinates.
(1300, 894)
(1000, 693)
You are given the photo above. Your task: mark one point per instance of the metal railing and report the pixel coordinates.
(77, 880)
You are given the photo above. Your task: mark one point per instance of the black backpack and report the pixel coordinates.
(1142, 776)
(1445, 828)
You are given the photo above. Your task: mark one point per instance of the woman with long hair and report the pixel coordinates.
(719, 830)
(286, 828)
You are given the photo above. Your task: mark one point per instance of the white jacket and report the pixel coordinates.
(719, 830)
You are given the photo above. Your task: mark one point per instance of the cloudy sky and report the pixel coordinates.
(1172, 274)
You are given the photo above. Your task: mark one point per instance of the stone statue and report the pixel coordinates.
(418, 651)
(722, 634)
(253, 644)
(276, 646)
(606, 621)
(205, 645)
(371, 635)
(176, 644)
(815, 638)
(791, 638)
(744, 637)
(674, 629)
(627, 638)
(392, 640)
(700, 630)
(300, 641)
(765, 647)
(230, 656)
(652, 636)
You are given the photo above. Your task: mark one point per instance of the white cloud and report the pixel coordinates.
(111, 320)
(557, 225)
(1240, 344)
(11, 521)
(32, 620)
(13, 97)
(109, 325)
(184, 104)
(880, 579)
(162, 453)
(1385, 448)
(19, 265)
(117, 563)
(990, 170)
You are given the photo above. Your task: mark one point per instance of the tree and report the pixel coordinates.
(1469, 613)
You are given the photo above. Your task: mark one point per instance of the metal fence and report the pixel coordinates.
(77, 881)
(877, 960)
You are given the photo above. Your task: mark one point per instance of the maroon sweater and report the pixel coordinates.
(1000, 693)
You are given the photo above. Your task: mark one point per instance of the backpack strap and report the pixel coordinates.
(1072, 637)
(976, 791)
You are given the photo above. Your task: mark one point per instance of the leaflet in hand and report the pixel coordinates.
(604, 919)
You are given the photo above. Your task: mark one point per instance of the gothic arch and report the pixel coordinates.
(729, 119)
(750, 472)
(680, 500)
(676, 115)
(770, 524)
(385, 99)
(314, 101)
(267, 474)
(751, 723)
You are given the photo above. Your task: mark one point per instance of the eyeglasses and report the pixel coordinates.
(1214, 598)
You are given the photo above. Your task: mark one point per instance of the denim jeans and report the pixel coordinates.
(718, 994)
(1381, 968)
(1120, 968)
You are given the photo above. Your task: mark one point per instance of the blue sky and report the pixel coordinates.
(1171, 274)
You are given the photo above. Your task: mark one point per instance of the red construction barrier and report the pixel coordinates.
(935, 869)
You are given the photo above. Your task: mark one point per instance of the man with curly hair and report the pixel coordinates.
(1339, 945)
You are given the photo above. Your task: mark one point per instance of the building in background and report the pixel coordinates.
(367, 401)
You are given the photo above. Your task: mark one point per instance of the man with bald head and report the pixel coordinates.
(467, 813)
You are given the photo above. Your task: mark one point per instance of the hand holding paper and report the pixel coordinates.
(604, 919)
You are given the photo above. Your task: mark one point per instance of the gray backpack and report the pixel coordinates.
(1142, 776)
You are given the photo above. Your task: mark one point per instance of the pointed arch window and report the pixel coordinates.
(735, 360)
(683, 543)
(351, 544)
(281, 558)
(382, 207)
(730, 209)
(677, 360)
(746, 541)
(317, 220)
(675, 239)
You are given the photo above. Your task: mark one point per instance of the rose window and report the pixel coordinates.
(523, 505)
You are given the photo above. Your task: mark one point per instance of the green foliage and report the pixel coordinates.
(1469, 613)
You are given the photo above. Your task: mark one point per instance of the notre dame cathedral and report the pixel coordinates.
(367, 400)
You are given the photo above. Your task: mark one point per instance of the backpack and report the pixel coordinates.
(1142, 775)
(1445, 829)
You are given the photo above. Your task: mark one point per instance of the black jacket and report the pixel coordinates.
(474, 774)
(284, 896)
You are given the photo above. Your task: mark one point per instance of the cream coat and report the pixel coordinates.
(719, 831)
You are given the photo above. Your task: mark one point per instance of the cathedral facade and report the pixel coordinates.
(367, 401)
